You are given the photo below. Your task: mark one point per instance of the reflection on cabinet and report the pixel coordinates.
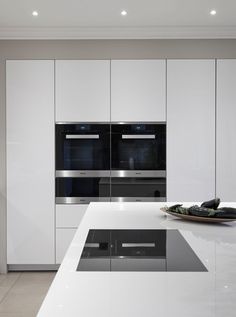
(138, 90)
(190, 130)
(63, 240)
(226, 130)
(82, 90)
(30, 162)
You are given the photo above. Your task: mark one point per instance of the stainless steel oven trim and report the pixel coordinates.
(83, 173)
(111, 122)
(82, 136)
(138, 136)
(138, 122)
(118, 257)
(139, 173)
(146, 257)
(138, 199)
(87, 200)
(80, 200)
(73, 122)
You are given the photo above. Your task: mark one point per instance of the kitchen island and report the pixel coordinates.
(210, 293)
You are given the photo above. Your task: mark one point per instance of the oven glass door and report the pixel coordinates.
(82, 147)
(138, 147)
(82, 190)
(138, 189)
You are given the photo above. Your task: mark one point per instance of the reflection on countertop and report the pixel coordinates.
(195, 294)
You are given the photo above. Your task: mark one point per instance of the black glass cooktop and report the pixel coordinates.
(138, 250)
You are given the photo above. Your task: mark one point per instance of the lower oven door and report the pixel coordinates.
(138, 189)
(82, 190)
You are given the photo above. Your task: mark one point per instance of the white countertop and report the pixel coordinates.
(139, 294)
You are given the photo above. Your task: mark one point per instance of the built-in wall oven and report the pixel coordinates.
(138, 162)
(82, 163)
(117, 162)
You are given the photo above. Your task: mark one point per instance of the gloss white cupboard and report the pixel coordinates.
(82, 90)
(190, 130)
(226, 130)
(30, 162)
(68, 218)
(138, 90)
(180, 92)
(63, 240)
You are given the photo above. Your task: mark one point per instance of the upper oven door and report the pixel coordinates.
(138, 147)
(82, 147)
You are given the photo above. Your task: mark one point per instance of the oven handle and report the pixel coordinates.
(139, 173)
(82, 136)
(138, 136)
(80, 200)
(83, 173)
(138, 199)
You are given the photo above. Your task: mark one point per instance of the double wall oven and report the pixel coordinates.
(82, 163)
(138, 162)
(110, 162)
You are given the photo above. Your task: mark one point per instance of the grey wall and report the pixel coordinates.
(91, 49)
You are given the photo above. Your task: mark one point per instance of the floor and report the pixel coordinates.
(22, 293)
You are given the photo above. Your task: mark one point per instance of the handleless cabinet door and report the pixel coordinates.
(30, 162)
(64, 236)
(138, 90)
(69, 216)
(226, 130)
(82, 90)
(190, 130)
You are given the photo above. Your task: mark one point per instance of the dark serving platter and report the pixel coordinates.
(196, 218)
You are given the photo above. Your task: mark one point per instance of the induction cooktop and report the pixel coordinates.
(138, 250)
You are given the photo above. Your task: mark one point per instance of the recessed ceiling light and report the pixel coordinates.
(213, 12)
(123, 13)
(35, 13)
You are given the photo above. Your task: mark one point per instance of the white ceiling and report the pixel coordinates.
(101, 18)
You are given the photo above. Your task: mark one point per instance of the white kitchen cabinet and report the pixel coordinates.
(190, 130)
(138, 90)
(63, 240)
(82, 90)
(69, 216)
(30, 162)
(226, 130)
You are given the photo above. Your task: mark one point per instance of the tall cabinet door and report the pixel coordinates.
(138, 90)
(82, 90)
(190, 130)
(30, 162)
(226, 130)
